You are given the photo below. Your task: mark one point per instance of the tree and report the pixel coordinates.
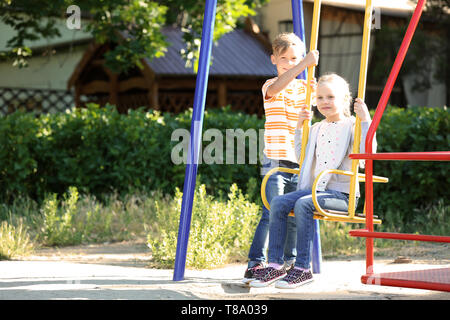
(134, 26)
(429, 50)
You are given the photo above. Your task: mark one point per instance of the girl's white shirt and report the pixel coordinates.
(339, 151)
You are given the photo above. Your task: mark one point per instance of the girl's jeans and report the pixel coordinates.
(279, 183)
(302, 203)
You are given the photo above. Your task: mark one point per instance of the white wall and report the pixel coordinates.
(49, 72)
(43, 72)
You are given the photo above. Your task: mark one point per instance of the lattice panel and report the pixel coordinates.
(38, 100)
(248, 102)
(175, 101)
(50, 101)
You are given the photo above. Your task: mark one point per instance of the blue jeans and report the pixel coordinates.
(279, 183)
(301, 202)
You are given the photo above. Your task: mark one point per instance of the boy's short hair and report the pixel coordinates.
(285, 40)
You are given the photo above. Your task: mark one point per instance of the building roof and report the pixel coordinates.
(237, 53)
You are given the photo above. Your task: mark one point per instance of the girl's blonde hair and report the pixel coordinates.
(344, 87)
(285, 40)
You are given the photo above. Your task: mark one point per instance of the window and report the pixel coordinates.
(285, 26)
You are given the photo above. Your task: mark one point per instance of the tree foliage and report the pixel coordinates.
(428, 52)
(134, 25)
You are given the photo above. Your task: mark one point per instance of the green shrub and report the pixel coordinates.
(18, 161)
(414, 186)
(220, 231)
(77, 219)
(14, 241)
(101, 152)
(58, 225)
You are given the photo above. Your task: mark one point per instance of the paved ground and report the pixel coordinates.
(47, 280)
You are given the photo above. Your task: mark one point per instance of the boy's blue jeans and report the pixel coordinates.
(302, 203)
(279, 183)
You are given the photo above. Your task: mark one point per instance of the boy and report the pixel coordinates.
(283, 96)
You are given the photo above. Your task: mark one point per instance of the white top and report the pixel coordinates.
(327, 147)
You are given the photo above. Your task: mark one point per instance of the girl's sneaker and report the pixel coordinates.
(294, 278)
(250, 273)
(267, 276)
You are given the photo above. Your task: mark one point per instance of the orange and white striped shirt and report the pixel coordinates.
(281, 119)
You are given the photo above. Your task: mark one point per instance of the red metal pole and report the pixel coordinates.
(393, 75)
(425, 156)
(369, 215)
(399, 236)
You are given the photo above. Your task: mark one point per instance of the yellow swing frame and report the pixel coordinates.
(355, 177)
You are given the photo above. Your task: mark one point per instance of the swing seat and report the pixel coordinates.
(320, 213)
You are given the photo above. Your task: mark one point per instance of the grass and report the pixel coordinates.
(221, 229)
(14, 241)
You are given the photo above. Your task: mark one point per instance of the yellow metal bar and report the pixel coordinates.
(328, 214)
(266, 177)
(362, 178)
(361, 95)
(341, 218)
(325, 214)
(313, 46)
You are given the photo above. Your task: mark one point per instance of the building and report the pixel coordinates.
(340, 40)
(241, 64)
(69, 70)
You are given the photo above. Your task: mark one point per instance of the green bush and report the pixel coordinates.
(101, 152)
(76, 219)
(414, 187)
(18, 161)
(14, 241)
(220, 231)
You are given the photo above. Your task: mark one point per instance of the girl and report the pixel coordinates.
(329, 146)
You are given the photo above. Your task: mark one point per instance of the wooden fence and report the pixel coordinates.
(51, 101)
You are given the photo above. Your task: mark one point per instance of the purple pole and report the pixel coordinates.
(299, 30)
(195, 140)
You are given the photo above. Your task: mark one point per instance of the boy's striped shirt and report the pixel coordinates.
(281, 113)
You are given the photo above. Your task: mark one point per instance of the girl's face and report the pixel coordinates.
(330, 101)
(286, 60)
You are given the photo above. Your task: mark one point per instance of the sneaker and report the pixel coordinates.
(294, 278)
(250, 273)
(267, 276)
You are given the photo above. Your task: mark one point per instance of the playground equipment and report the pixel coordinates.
(441, 277)
(356, 177)
(432, 279)
(195, 141)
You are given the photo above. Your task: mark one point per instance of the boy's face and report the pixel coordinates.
(286, 60)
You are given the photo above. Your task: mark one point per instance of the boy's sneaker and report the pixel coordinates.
(250, 273)
(294, 278)
(267, 276)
